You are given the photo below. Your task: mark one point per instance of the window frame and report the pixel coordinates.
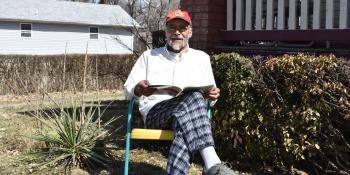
(23, 32)
(96, 34)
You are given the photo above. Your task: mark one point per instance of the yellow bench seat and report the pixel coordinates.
(152, 134)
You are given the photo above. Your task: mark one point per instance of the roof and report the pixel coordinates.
(55, 11)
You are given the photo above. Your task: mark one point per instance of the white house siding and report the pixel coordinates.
(336, 13)
(49, 39)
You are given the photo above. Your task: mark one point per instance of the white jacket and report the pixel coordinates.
(161, 67)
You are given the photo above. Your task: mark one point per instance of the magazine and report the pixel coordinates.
(175, 90)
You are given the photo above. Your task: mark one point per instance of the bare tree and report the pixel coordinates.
(150, 15)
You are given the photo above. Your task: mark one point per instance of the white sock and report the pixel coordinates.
(209, 156)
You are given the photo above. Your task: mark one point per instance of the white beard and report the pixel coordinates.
(178, 47)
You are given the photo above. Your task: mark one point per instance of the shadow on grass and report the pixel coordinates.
(136, 168)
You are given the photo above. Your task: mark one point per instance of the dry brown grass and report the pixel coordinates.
(16, 125)
(20, 74)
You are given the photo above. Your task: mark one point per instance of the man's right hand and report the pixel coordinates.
(142, 88)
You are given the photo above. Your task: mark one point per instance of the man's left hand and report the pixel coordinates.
(213, 93)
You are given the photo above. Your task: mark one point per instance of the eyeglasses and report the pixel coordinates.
(178, 28)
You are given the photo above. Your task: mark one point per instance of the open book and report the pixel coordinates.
(175, 90)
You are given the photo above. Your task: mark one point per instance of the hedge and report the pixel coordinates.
(289, 112)
(21, 74)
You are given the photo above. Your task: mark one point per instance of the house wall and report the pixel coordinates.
(49, 39)
(208, 18)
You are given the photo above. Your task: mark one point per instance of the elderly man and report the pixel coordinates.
(177, 64)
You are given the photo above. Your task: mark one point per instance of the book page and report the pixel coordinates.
(174, 90)
(167, 88)
(202, 89)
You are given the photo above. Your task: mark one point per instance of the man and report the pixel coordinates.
(177, 64)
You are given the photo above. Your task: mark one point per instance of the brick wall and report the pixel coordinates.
(208, 18)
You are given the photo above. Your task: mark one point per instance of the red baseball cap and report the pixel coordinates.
(178, 14)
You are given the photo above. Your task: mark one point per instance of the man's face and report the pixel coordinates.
(178, 32)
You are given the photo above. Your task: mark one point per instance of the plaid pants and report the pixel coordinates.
(187, 116)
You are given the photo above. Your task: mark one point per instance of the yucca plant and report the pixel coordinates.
(74, 138)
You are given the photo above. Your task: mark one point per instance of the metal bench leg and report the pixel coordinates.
(128, 130)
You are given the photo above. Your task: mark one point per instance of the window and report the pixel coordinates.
(26, 30)
(93, 32)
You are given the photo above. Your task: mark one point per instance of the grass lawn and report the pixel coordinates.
(17, 125)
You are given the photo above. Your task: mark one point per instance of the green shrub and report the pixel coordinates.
(74, 138)
(236, 108)
(284, 110)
